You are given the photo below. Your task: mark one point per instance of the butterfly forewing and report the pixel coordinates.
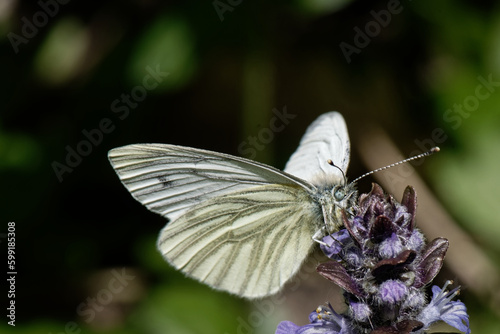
(170, 179)
(325, 139)
(248, 242)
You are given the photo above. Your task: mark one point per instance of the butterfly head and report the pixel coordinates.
(336, 199)
(342, 193)
(339, 193)
(336, 195)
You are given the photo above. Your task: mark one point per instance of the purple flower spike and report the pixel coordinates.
(383, 264)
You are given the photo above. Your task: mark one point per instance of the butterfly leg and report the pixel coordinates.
(319, 235)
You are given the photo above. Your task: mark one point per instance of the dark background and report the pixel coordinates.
(229, 67)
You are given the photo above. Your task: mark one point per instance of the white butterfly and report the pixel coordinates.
(236, 224)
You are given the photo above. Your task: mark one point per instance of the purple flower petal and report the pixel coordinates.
(336, 273)
(355, 227)
(441, 307)
(317, 329)
(390, 247)
(335, 243)
(392, 291)
(381, 228)
(287, 327)
(323, 320)
(410, 202)
(415, 299)
(402, 327)
(432, 261)
(360, 311)
(393, 267)
(455, 314)
(416, 241)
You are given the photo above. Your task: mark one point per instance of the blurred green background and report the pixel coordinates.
(209, 74)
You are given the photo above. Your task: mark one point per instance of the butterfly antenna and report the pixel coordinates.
(431, 151)
(330, 162)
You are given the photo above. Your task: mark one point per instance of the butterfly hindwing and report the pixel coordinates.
(249, 242)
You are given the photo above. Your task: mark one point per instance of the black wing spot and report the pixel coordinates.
(163, 179)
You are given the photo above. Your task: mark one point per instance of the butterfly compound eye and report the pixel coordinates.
(339, 193)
